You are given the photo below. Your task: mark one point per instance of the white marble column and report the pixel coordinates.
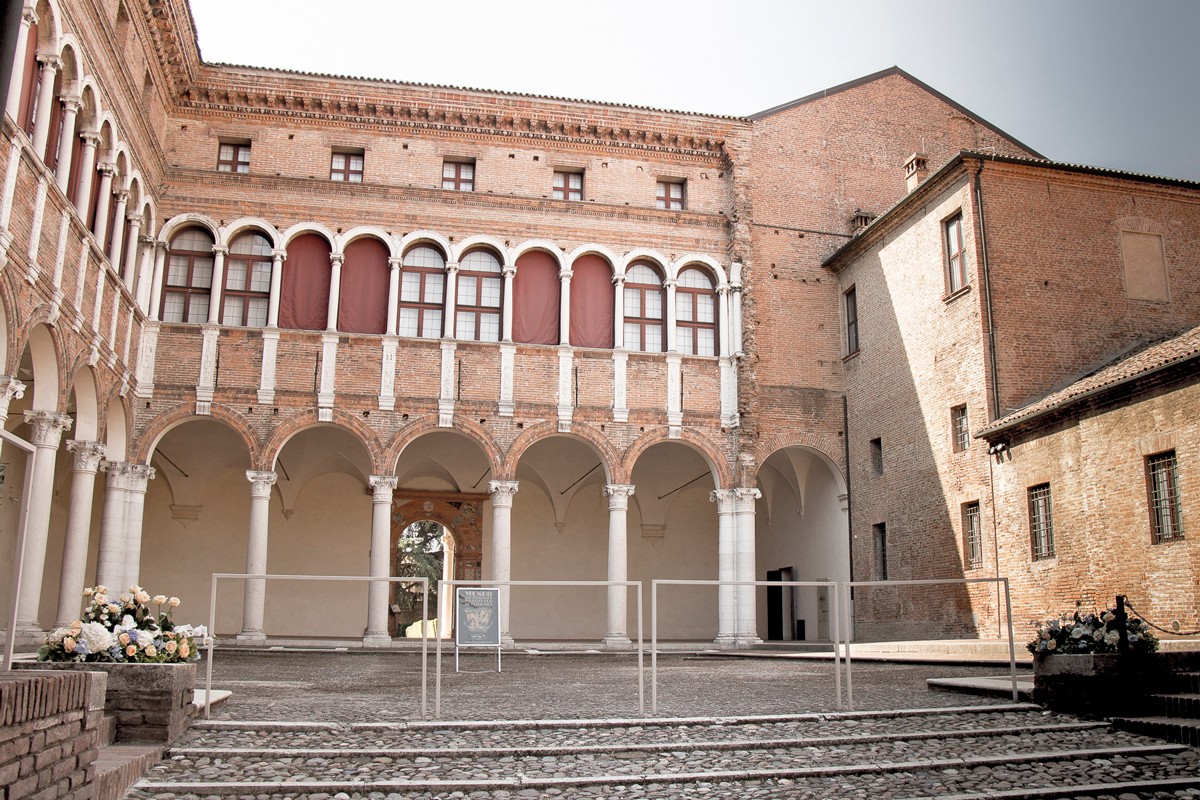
(335, 290)
(747, 628)
(100, 228)
(672, 345)
(110, 561)
(619, 312)
(277, 259)
(393, 307)
(254, 604)
(218, 284)
(129, 272)
(726, 595)
(145, 274)
(135, 502)
(28, 19)
(506, 321)
(451, 298)
(156, 282)
(66, 146)
(618, 555)
(79, 525)
(47, 430)
(564, 306)
(381, 560)
(118, 231)
(87, 172)
(41, 125)
(502, 497)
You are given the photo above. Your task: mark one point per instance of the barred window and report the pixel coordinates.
(1166, 510)
(1041, 527)
(880, 532)
(972, 535)
(960, 428)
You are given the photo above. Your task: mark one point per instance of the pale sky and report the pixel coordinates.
(1099, 82)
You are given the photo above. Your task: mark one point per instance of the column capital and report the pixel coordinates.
(618, 495)
(72, 105)
(49, 61)
(670, 283)
(336, 259)
(10, 389)
(618, 280)
(280, 254)
(502, 492)
(220, 250)
(565, 275)
(88, 455)
(746, 498)
(106, 167)
(139, 476)
(122, 195)
(724, 499)
(134, 219)
(90, 137)
(118, 473)
(383, 486)
(48, 427)
(29, 16)
(395, 262)
(261, 482)
(722, 289)
(452, 267)
(508, 270)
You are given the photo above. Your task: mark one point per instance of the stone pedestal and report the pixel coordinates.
(1106, 684)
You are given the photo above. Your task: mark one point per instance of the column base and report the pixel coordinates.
(377, 640)
(726, 641)
(507, 642)
(28, 634)
(253, 638)
(747, 641)
(617, 643)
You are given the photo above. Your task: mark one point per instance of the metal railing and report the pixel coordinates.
(437, 692)
(212, 620)
(837, 675)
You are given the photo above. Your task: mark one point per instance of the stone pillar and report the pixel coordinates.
(145, 274)
(135, 502)
(62, 171)
(110, 561)
(87, 171)
(393, 308)
(502, 497)
(618, 596)
(724, 320)
(726, 595)
(669, 287)
(254, 605)
(79, 526)
(747, 628)
(41, 125)
(277, 259)
(564, 306)
(381, 552)
(218, 284)
(154, 311)
(47, 430)
(118, 232)
(129, 273)
(451, 297)
(107, 171)
(28, 19)
(335, 290)
(619, 312)
(506, 319)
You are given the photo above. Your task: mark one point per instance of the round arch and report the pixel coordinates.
(481, 241)
(826, 448)
(87, 406)
(311, 419)
(718, 464)
(301, 228)
(43, 353)
(372, 231)
(116, 428)
(610, 459)
(470, 430)
(537, 244)
(426, 238)
(703, 261)
(594, 250)
(187, 220)
(643, 254)
(178, 415)
(229, 232)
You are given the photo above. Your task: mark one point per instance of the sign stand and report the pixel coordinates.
(477, 620)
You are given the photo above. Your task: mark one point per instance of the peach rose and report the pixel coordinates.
(151, 651)
(131, 650)
(174, 602)
(159, 599)
(68, 644)
(171, 647)
(184, 650)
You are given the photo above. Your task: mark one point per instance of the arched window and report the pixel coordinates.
(363, 296)
(304, 295)
(591, 302)
(422, 292)
(479, 298)
(247, 293)
(536, 291)
(187, 283)
(643, 308)
(696, 313)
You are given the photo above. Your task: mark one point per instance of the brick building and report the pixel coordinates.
(263, 320)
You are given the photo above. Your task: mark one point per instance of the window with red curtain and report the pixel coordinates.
(50, 157)
(30, 83)
(363, 297)
(536, 292)
(592, 302)
(644, 307)
(304, 293)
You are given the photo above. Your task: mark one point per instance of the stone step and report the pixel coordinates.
(1172, 729)
(1179, 706)
(119, 766)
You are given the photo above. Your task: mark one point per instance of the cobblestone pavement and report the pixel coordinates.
(346, 725)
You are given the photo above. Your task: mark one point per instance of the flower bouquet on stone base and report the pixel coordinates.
(125, 631)
(1087, 633)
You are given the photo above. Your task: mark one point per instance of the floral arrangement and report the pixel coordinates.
(1090, 633)
(125, 632)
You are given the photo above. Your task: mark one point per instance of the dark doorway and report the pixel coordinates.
(781, 606)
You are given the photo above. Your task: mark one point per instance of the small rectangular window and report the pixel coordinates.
(568, 185)
(346, 166)
(671, 195)
(972, 535)
(1041, 526)
(852, 320)
(458, 175)
(1166, 509)
(233, 158)
(880, 536)
(960, 428)
(877, 456)
(956, 268)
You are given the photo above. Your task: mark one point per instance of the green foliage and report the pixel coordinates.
(419, 555)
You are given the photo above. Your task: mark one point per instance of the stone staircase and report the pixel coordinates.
(1174, 717)
(997, 751)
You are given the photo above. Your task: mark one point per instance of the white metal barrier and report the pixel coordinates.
(437, 692)
(212, 619)
(837, 675)
(844, 601)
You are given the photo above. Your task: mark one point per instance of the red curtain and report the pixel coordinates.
(592, 302)
(363, 298)
(56, 120)
(30, 83)
(304, 296)
(536, 290)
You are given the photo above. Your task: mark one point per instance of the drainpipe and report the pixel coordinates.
(987, 290)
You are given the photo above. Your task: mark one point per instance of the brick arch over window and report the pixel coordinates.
(363, 295)
(366, 435)
(610, 459)
(472, 430)
(304, 293)
(147, 440)
(537, 288)
(831, 449)
(717, 461)
(592, 294)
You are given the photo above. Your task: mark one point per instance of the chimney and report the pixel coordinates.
(916, 169)
(860, 221)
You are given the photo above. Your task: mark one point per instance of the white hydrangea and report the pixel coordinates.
(98, 637)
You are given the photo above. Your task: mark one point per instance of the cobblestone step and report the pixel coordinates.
(1180, 706)
(1172, 729)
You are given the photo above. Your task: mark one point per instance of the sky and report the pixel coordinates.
(1098, 82)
